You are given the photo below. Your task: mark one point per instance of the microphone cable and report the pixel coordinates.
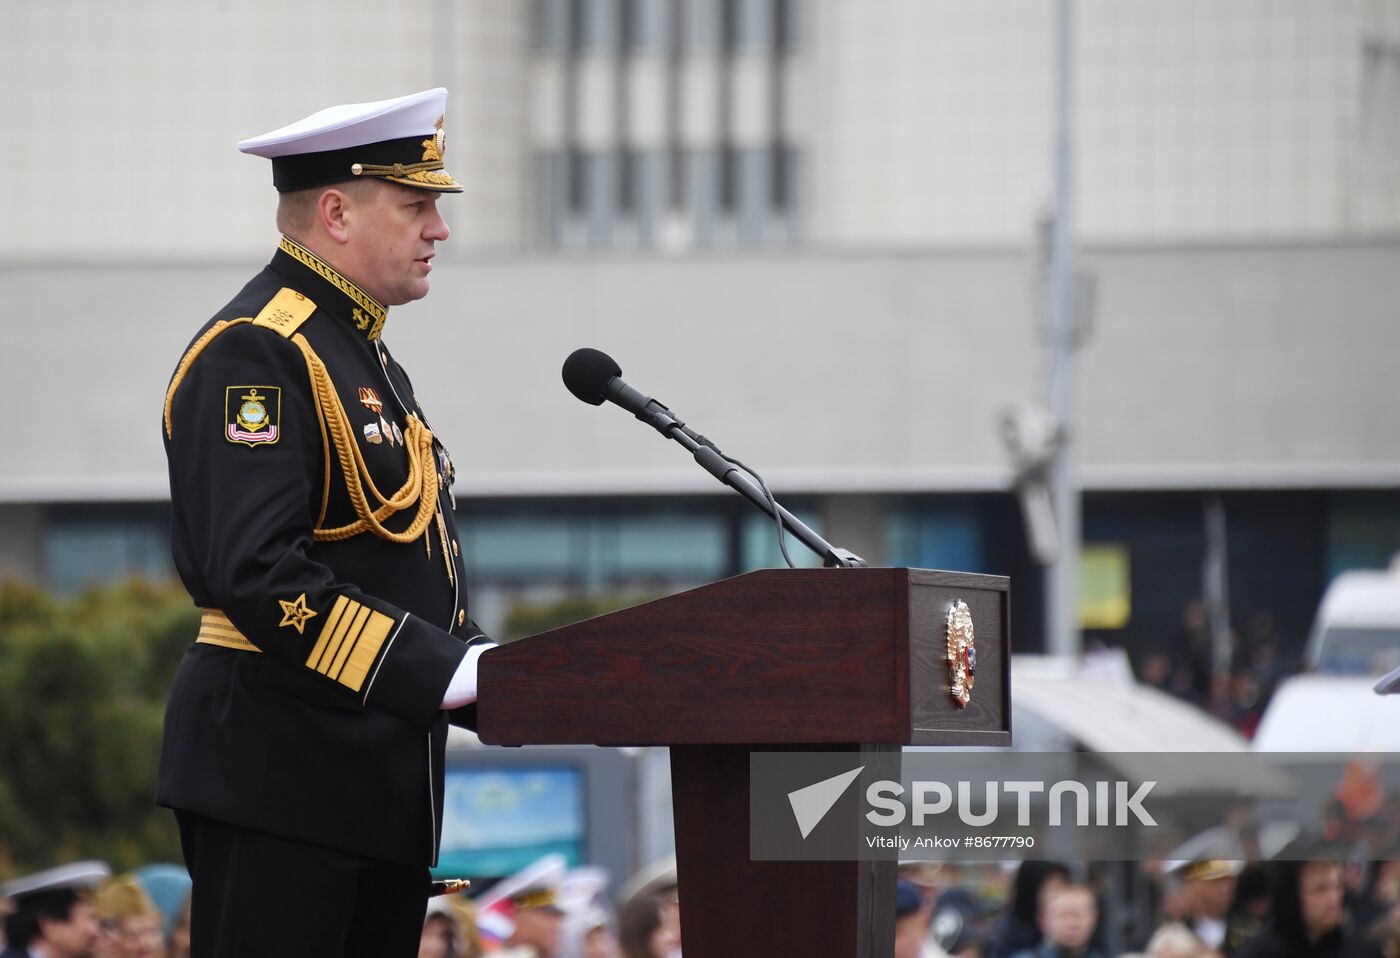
(772, 504)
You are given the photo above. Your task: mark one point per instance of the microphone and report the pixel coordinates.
(595, 377)
(587, 373)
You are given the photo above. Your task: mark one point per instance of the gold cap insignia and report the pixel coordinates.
(962, 653)
(435, 148)
(426, 173)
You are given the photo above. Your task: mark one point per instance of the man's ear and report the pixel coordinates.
(333, 210)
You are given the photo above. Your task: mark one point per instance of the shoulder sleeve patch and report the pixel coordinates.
(285, 312)
(252, 414)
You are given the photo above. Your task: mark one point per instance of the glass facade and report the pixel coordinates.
(95, 544)
(1363, 531)
(537, 552)
(1282, 549)
(601, 546)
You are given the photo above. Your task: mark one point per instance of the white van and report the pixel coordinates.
(1332, 707)
(1357, 629)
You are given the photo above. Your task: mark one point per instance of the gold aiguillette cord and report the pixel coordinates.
(446, 550)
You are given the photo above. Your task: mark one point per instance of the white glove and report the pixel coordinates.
(462, 689)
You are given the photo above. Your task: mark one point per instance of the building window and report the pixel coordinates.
(639, 24)
(628, 27)
(1380, 102)
(728, 178)
(675, 26)
(787, 23)
(759, 543)
(547, 25)
(944, 534)
(729, 26)
(577, 178)
(574, 27)
(596, 25)
(676, 177)
(651, 61)
(782, 170)
(603, 546)
(85, 546)
(702, 24)
(747, 24)
(628, 172)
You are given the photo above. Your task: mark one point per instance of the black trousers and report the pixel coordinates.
(269, 897)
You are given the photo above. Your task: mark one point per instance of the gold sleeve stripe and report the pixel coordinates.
(285, 312)
(352, 635)
(216, 629)
(328, 632)
(346, 650)
(350, 642)
(366, 651)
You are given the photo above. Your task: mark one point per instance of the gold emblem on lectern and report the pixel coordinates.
(962, 653)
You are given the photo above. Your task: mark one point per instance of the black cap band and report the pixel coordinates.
(305, 170)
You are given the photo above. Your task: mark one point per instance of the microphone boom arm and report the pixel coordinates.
(594, 377)
(712, 461)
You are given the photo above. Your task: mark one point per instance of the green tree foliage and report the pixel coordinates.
(83, 683)
(82, 696)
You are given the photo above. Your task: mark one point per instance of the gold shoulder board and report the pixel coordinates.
(285, 312)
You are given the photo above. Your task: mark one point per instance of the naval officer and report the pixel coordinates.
(51, 912)
(312, 522)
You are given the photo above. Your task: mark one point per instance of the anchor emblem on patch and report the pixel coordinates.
(251, 414)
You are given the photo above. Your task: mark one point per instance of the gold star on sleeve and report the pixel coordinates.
(295, 613)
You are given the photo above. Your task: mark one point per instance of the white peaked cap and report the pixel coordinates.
(353, 124)
(542, 875)
(399, 139)
(85, 874)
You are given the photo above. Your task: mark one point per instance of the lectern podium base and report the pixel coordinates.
(816, 659)
(733, 907)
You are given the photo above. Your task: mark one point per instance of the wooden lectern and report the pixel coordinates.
(796, 659)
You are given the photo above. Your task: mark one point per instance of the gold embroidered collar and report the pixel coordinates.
(368, 316)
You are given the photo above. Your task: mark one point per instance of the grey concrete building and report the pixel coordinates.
(808, 225)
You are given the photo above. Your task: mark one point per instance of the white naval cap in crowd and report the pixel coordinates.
(84, 874)
(534, 886)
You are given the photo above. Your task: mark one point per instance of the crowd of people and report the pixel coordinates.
(82, 910)
(1236, 695)
(1302, 906)
(1305, 905)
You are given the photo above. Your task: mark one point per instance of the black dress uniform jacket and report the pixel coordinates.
(312, 521)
